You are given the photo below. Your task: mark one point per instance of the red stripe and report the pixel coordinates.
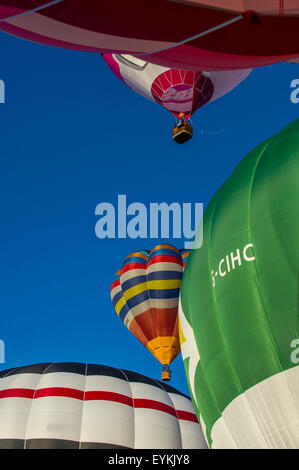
(130, 266)
(59, 392)
(17, 392)
(154, 405)
(114, 284)
(108, 396)
(164, 259)
(97, 395)
(187, 416)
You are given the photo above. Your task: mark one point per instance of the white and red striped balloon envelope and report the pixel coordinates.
(194, 34)
(88, 406)
(176, 90)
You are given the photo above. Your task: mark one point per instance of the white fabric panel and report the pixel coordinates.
(150, 392)
(160, 303)
(156, 430)
(132, 273)
(108, 422)
(20, 381)
(191, 435)
(181, 403)
(141, 80)
(62, 379)
(108, 384)
(264, 416)
(225, 81)
(55, 418)
(14, 414)
(164, 267)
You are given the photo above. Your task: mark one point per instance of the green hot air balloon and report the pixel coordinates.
(239, 312)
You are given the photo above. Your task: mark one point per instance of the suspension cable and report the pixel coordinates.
(41, 7)
(196, 36)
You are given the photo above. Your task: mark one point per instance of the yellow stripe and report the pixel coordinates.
(137, 254)
(120, 305)
(129, 293)
(164, 284)
(181, 334)
(157, 285)
(159, 247)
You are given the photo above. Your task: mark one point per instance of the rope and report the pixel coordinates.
(207, 132)
(41, 7)
(196, 36)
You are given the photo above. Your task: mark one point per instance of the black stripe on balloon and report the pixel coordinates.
(90, 369)
(55, 444)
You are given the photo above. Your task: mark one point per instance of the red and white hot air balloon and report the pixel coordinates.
(182, 92)
(88, 406)
(184, 34)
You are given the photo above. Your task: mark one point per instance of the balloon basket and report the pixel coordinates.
(182, 133)
(165, 376)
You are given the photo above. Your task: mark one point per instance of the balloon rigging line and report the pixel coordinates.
(206, 132)
(41, 7)
(196, 36)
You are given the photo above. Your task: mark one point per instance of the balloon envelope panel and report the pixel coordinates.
(115, 27)
(239, 303)
(176, 90)
(145, 295)
(75, 405)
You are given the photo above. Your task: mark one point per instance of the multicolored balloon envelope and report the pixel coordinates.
(239, 312)
(194, 34)
(145, 295)
(178, 91)
(88, 406)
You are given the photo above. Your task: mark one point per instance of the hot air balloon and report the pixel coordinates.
(145, 294)
(194, 34)
(181, 92)
(89, 406)
(239, 303)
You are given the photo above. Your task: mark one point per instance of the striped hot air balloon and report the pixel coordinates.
(72, 405)
(145, 293)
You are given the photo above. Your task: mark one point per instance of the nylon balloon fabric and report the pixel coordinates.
(239, 303)
(202, 35)
(71, 405)
(145, 293)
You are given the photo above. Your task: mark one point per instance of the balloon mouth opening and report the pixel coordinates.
(164, 348)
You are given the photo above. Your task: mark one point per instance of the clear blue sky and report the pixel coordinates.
(73, 136)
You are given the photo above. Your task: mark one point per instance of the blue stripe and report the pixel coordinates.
(133, 282)
(164, 294)
(134, 259)
(165, 251)
(123, 312)
(164, 275)
(117, 297)
(116, 278)
(138, 299)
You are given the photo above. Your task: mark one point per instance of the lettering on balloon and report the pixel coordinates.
(232, 261)
(295, 354)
